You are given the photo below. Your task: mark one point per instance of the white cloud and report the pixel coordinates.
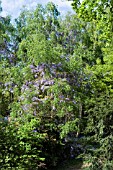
(12, 7)
(4, 13)
(63, 5)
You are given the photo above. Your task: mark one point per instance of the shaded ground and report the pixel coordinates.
(70, 165)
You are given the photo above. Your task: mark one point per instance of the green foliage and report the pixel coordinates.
(56, 87)
(98, 104)
(21, 146)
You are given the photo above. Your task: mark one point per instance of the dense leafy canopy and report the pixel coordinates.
(56, 87)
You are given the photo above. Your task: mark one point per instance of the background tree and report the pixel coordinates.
(98, 110)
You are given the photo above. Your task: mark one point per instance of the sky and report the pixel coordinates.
(12, 7)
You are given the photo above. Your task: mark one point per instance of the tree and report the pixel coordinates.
(7, 59)
(57, 92)
(45, 82)
(97, 106)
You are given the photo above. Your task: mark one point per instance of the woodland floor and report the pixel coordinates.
(72, 165)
